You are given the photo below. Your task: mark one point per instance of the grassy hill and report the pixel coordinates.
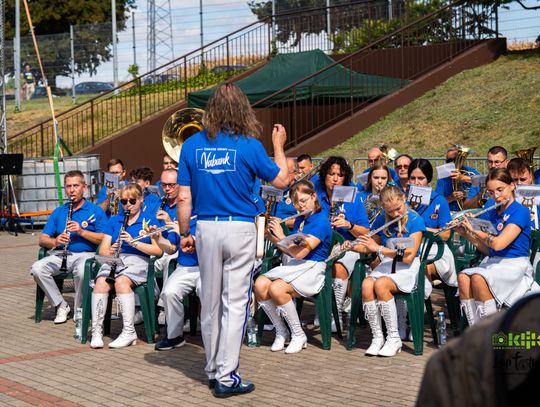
(496, 104)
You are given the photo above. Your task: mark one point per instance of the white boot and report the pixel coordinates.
(401, 306)
(392, 346)
(373, 316)
(298, 338)
(340, 291)
(99, 306)
(282, 334)
(485, 309)
(469, 310)
(128, 336)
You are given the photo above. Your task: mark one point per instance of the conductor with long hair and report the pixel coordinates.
(216, 173)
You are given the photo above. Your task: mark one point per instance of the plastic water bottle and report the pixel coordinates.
(78, 323)
(441, 329)
(251, 328)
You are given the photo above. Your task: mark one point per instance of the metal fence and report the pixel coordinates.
(91, 122)
(378, 69)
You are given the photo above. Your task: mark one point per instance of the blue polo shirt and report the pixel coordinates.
(354, 212)
(319, 226)
(444, 188)
(437, 214)
(115, 224)
(222, 173)
(283, 209)
(414, 224)
(185, 259)
(518, 215)
(90, 216)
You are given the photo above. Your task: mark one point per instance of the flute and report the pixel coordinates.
(155, 232)
(456, 222)
(370, 234)
(288, 218)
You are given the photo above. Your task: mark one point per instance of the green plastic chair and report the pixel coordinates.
(535, 247)
(325, 304)
(40, 294)
(144, 291)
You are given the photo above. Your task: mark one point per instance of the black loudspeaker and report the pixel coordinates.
(11, 164)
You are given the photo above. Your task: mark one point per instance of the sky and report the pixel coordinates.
(221, 17)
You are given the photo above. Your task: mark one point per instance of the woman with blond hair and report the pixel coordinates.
(304, 273)
(397, 271)
(135, 258)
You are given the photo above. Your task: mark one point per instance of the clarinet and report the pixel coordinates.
(163, 202)
(112, 275)
(63, 266)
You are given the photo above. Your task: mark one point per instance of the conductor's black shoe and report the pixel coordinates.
(223, 391)
(167, 344)
(212, 383)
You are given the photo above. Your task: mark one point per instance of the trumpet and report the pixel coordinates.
(307, 176)
(370, 234)
(111, 278)
(461, 156)
(65, 252)
(459, 220)
(388, 153)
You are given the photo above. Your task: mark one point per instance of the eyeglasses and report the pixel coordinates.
(132, 201)
(496, 163)
(402, 167)
(304, 200)
(163, 185)
(116, 172)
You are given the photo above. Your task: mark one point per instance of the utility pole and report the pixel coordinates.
(17, 55)
(115, 48)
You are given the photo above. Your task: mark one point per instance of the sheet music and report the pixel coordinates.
(344, 193)
(111, 181)
(445, 170)
(483, 225)
(419, 194)
(272, 193)
(528, 193)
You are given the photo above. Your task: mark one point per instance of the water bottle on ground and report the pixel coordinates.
(251, 328)
(441, 329)
(78, 323)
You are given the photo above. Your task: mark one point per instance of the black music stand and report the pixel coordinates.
(10, 164)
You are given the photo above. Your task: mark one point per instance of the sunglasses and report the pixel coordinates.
(132, 201)
(402, 166)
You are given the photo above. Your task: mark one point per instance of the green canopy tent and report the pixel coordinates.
(285, 69)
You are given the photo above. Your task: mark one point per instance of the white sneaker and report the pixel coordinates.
(161, 318)
(62, 314)
(375, 347)
(279, 343)
(391, 347)
(138, 318)
(124, 340)
(347, 303)
(316, 320)
(297, 344)
(97, 341)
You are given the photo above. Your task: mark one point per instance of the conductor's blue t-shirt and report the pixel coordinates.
(222, 173)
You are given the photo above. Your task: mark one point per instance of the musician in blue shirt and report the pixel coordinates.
(349, 219)
(444, 185)
(81, 235)
(108, 197)
(168, 164)
(304, 273)
(134, 255)
(397, 272)
(505, 275)
(375, 158)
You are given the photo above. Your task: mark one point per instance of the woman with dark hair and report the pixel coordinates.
(379, 176)
(505, 275)
(397, 271)
(304, 273)
(135, 258)
(349, 219)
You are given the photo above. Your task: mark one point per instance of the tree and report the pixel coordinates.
(51, 20)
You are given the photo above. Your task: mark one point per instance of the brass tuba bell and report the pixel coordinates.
(527, 154)
(388, 153)
(178, 128)
(461, 156)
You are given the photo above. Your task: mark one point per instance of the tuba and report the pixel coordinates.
(527, 154)
(178, 128)
(461, 156)
(388, 154)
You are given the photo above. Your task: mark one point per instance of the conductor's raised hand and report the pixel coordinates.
(279, 135)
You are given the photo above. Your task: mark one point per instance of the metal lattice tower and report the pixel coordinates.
(160, 49)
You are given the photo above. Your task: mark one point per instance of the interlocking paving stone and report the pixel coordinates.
(47, 366)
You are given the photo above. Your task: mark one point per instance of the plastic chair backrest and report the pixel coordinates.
(535, 244)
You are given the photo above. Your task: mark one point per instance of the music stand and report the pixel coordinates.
(10, 164)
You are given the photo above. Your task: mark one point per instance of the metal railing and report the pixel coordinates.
(95, 120)
(378, 69)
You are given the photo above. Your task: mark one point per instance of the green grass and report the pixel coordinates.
(495, 104)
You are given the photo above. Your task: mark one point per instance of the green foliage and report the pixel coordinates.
(51, 20)
(133, 70)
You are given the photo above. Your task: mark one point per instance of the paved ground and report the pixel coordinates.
(43, 365)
